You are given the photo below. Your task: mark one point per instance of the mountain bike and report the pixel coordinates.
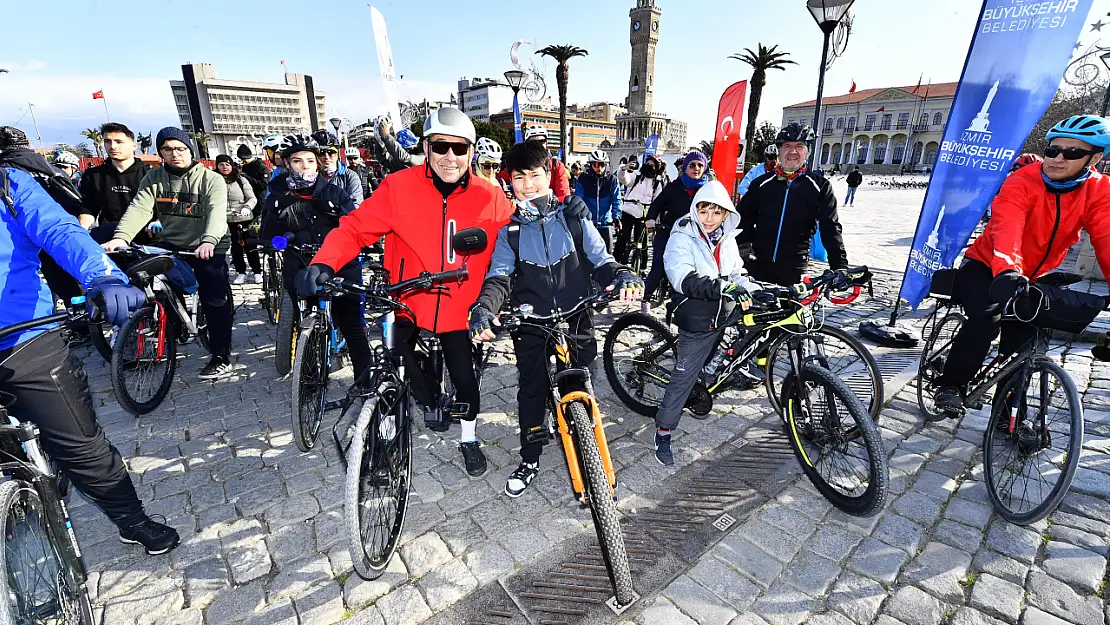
(582, 433)
(378, 447)
(272, 288)
(640, 351)
(144, 356)
(44, 579)
(1034, 437)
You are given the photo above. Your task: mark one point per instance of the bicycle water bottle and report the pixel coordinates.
(714, 364)
(387, 329)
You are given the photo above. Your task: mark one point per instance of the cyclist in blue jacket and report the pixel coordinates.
(38, 379)
(602, 193)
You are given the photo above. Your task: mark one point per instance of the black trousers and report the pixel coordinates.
(533, 348)
(215, 291)
(657, 273)
(41, 383)
(458, 358)
(241, 253)
(345, 310)
(973, 341)
(631, 228)
(606, 232)
(780, 273)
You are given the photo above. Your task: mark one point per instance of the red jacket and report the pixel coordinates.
(560, 180)
(409, 208)
(1024, 216)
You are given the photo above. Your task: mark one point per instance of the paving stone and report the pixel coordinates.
(918, 507)
(358, 592)
(780, 544)
(969, 512)
(878, 560)
(906, 464)
(997, 597)
(725, 582)
(857, 597)
(1078, 567)
(1092, 526)
(898, 531)
(1057, 598)
(828, 618)
(958, 535)
(1078, 537)
(939, 569)
(235, 604)
(693, 600)
(914, 606)
(1009, 569)
(783, 604)
(1035, 616)
(488, 560)
(189, 616)
(459, 534)
(1094, 483)
(403, 606)
(248, 560)
(291, 542)
(447, 584)
(971, 616)
(935, 485)
(321, 604)
(366, 616)
(155, 598)
(293, 510)
(745, 557)
(663, 611)
(280, 612)
(973, 490)
(788, 519)
(811, 573)
(296, 577)
(833, 542)
(424, 554)
(205, 580)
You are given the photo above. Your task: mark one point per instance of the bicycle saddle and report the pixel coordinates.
(153, 266)
(1059, 279)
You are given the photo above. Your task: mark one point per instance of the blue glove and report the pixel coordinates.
(155, 226)
(115, 298)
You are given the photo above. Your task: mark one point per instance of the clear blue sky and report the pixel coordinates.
(62, 51)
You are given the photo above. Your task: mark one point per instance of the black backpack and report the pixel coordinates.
(53, 181)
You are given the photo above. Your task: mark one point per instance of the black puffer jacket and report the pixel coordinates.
(672, 204)
(779, 220)
(309, 218)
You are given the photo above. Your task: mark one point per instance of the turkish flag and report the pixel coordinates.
(853, 89)
(99, 95)
(726, 143)
(880, 109)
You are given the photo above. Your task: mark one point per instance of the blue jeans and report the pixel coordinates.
(851, 199)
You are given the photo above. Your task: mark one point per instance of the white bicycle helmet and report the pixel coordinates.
(271, 142)
(62, 157)
(598, 156)
(451, 122)
(535, 131)
(352, 153)
(487, 150)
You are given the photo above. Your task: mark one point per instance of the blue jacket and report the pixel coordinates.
(36, 222)
(752, 174)
(602, 196)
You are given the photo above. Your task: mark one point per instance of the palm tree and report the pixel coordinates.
(761, 61)
(201, 138)
(93, 135)
(562, 55)
(706, 148)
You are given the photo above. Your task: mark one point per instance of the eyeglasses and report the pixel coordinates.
(1070, 154)
(173, 150)
(489, 166)
(442, 147)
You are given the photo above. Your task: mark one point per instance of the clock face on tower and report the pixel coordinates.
(636, 25)
(655, 26)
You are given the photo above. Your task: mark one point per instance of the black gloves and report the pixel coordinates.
(311, 277)
(734, 292)
(1006, 285)
(481, 321)
(625, 279)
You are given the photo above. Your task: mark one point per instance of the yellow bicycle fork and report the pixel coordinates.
(568, 441)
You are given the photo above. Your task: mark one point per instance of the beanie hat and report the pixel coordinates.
(12, 137)
(244, 152)
(171, 132)
(694, 157)
(224, 158)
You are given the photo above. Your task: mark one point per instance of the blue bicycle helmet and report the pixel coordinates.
(1088, 128)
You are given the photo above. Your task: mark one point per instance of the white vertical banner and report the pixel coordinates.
(385, 62)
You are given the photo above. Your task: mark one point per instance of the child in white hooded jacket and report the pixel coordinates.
(708, 281)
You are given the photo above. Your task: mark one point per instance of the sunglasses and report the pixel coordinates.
(1070, 154)
(442, 147)
(489, 166)
(331, 152)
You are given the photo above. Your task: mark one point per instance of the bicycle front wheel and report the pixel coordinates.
(271, 288)
(639, 356)
(37, 586)
(1032, 444)
(933, 358)
(603, 507)
(837, 442)
(376, 492)
(144, 359)
(286, 342)
(310, 383)
(102, 335)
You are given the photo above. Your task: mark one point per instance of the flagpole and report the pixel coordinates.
(106, 115)
(31, 108)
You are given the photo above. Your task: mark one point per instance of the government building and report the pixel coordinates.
(886, 130)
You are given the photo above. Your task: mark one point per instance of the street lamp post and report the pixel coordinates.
(515, 78)
(827, 14)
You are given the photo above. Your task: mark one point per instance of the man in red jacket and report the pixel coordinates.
(1035, 219)
(420, 208)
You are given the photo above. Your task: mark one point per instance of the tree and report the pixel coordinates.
(706, 148)
(764, 137)
(93, 135)
(201, 138)
(417, 127)
(562, 55)
(144, 142)
(1067, 102)
(762, 60)
(497, 133)
(82, 150)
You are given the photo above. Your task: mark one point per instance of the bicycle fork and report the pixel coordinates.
(567, 434)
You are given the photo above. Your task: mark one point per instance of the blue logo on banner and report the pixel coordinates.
(1017, 59)
(652, 146)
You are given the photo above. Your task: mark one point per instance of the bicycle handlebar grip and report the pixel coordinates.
(452, 275)
(848, 299)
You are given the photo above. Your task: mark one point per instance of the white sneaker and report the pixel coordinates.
(239, 279)
(256, 278)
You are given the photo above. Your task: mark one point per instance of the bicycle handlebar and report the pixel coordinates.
(423, 281)
(518, 317)
(852, 279)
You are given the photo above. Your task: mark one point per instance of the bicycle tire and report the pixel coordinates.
(271, 288)
(310, 383)
(286, 342)
(123, 361)
(21, 502)
(931, 364)
(603, 508)
(873, 497)
(362, 467)
(621, 372)
(101, 340)
(872, 400)
(993, 437)
(201, 322)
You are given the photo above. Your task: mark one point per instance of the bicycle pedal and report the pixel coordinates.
(458, 410)
(538, 435)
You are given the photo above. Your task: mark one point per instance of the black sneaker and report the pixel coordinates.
(948, 400)
(520, 479)
(158, 538)
(663, 449)
(474, 459)
(217, 367)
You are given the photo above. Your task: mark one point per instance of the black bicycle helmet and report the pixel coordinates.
(325, 138)
(298, 142)
(795, 132)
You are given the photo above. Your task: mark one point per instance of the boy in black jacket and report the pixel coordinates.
(557, 252)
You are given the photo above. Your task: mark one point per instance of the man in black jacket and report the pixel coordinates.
(108, 188)
(254, 170)
(855, 179)
(782, 211)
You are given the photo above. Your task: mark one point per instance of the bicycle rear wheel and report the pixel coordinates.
(1032, 444)
(933, 358)
(144, 359)
(286, 342)
(376, 493)
(639, 356)
(37, 586)
(839, 352)
(603, 507)
(271, 288)
(102, 335)
(837, 442)
(310, 383)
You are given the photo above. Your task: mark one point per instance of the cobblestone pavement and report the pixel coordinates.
(264, 544)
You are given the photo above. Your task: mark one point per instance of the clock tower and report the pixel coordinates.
(644, 36)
